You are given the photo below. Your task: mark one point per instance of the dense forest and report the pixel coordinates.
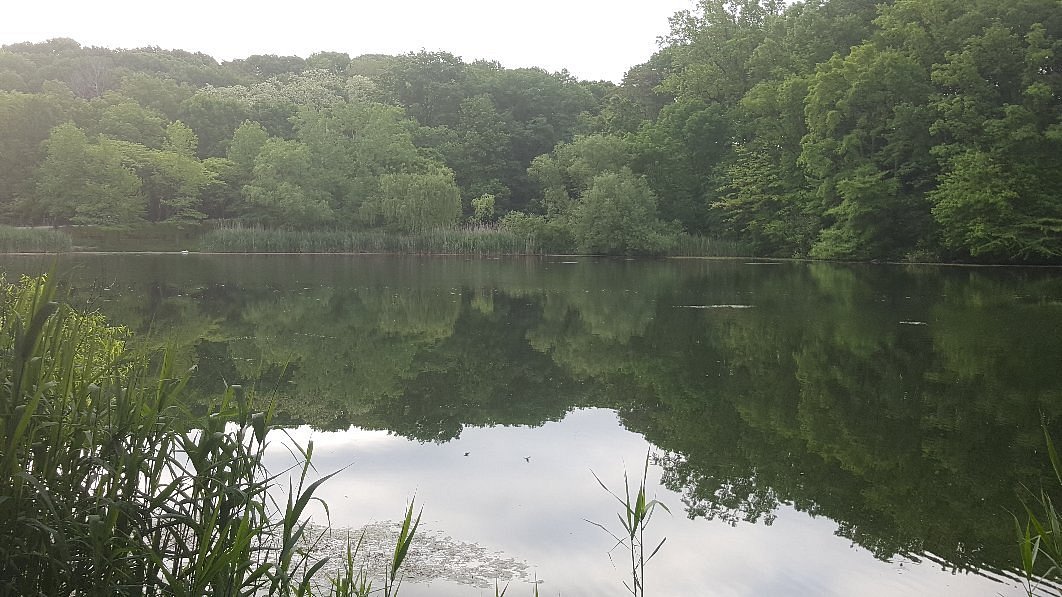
(832, 129)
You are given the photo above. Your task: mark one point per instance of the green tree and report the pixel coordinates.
(335, 62)
(156, 93)
(352, 145)
(571, 168)
(416, 202)
(683, 156)
(483, 208)
(214, 118)
(282, 192)
(86, 183)
(247, 142)
(478, 149)
(1001, 138)
(767, 199)
(26, 121)
(617, 215)
(868, 150)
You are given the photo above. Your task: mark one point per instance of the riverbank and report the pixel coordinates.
(169, 238)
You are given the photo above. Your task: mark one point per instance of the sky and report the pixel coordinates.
(527, 494)
(593, 39)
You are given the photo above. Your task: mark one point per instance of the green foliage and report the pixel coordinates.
(483, 208)
(634, 519)
(392, 581)
(247, 143)
(281, 191)
(867, 148)
(571, 168)
(108, 486)
(126, 120)
(1040, 541)
(414, 203)
(27, 120)
(350, 147)
(33, 240)
(553, 235)
(835, 129)
(617, 215)
(86, 183)
(172, 178)
(993, 212)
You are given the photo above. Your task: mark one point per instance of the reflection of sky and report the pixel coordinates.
(536, 511)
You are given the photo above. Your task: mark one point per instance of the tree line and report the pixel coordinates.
(834, 129)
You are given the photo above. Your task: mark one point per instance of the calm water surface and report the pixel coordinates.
(814, 429)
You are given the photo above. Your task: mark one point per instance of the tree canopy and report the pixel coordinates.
(835, 129)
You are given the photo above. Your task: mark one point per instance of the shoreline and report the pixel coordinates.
(778, 260)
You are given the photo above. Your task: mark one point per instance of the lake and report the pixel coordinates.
(814, 429)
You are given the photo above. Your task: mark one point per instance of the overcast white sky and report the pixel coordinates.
(594, 39)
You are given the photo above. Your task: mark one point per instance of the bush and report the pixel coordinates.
(617, 215)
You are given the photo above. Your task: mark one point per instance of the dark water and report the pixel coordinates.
(815, 429)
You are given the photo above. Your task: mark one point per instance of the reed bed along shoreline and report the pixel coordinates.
(474, 240)
(464, 241)
(110, 486)
(33, 240)
(479, 240)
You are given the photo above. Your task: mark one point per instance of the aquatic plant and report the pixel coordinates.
(33, 240)
(634, 518)
(1040, 538)
(476, 240)
(479, 239)
(108, 486)
(689, 245)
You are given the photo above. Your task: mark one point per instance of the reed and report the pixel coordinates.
(108, 486)
(33, 240)
(1040, 538)
(635, 514)
(687, 245)
(478, 240)
(472, 240)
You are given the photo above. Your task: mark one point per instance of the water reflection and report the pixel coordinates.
(817, 420)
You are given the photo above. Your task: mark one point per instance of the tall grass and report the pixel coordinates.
(33, 240)
(145, 236)
(476, 240)
(108, 487)
(686, 245)
(480, 240)
(1040, 538)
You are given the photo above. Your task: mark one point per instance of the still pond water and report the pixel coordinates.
(814, 429)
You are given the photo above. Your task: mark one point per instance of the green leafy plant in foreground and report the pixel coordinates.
(1040, 539)
(634, 518)
(109, 487)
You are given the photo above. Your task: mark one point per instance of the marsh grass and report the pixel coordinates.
(33, 240)
(635, 514)
(109, 487)
(478, 240)
(1040, 538)
(146, 236)
(687, 245)
(473, 240)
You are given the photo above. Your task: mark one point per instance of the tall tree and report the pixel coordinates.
(86, 183)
